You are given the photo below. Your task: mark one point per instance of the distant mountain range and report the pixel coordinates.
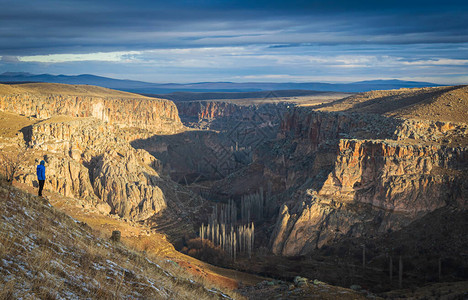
(142, 87)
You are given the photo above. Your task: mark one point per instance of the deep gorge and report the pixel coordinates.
(317, 186)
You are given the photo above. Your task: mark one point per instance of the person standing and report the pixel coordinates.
(40, 170)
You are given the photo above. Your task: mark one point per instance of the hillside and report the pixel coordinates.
(65, 89)
(46, 254)
(211, 87)
(437, 104)
(314, 180)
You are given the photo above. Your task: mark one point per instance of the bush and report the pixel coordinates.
(206, 251)
(10, 161)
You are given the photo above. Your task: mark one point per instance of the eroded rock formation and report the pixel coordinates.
(380, 175)
(85, 143)
(91, 162)
(156, 115)
(226, 116)
(127, 183)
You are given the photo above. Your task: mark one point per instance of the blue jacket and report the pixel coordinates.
(40, 172)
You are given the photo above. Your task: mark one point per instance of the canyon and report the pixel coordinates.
(358, 169)
(320, 176)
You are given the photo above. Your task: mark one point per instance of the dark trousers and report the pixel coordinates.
(41, 186)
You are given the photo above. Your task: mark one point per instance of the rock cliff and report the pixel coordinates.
(394, 176)
(365, 174)
(206, 109)
(86, 159)
(121, 109)
(128, 184)
(84, 139)
(226, 116)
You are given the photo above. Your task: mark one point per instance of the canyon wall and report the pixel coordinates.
(366, 175)
(394, 176)
(234, 133)
(207, 109)
(156, 115)
(224, 116)
(84, 133)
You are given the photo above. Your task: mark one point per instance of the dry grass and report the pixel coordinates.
(65, 89)
(11, 123)
(156, 246)
(62, 119)
(153, 244)
(438, 103)
(46, 254)
(310, 100)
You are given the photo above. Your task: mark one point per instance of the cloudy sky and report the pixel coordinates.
(273, 41)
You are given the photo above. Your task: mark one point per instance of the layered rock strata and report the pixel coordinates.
(227, 116)
(367, 174)
(207, 109)
(156, 115)
(84, 138)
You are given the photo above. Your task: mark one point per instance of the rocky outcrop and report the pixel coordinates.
(127, 183)
(79, 138)
(315, 128)
(432, 131)
(318, 127)
(226, 116)
(91, 162)
(393, 176)
(156, 115)
(312, 223)
(207, 109)
(380, 176)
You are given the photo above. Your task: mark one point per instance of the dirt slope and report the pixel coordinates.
(44, 253)
(438, 103)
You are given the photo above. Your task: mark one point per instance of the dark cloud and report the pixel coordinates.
(27, 28)
(9, 59)
(293, 39)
